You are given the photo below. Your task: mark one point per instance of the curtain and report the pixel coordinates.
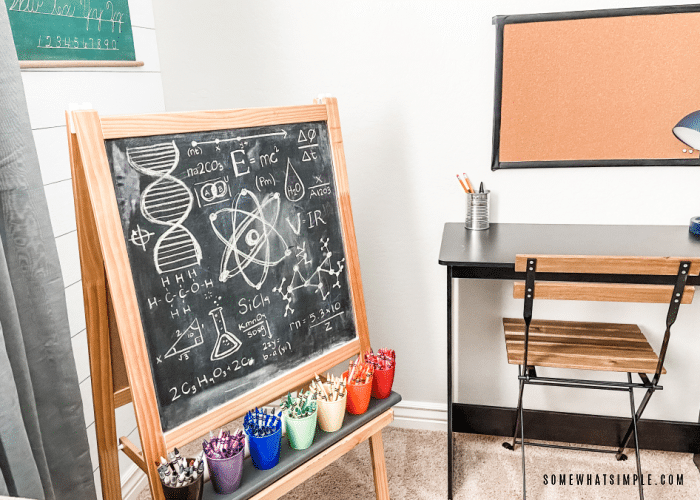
(44, 452)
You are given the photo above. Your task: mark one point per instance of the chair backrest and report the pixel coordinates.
(606, 265)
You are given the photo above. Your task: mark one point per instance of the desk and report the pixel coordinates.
(490, 254)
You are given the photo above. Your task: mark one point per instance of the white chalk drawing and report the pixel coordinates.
(293, 185)
(260, 326)
(295, 230)
(302, 256)
(226, 342)
(166, 201)
(212, 191)
(189, 339)
(254, 243)
(104, 12)
(308, 137)
(315, 280)
(283, 133)
(140, 237)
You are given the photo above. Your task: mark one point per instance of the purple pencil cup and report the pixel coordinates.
(226, 473)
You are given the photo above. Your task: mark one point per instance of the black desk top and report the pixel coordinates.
(497, 246)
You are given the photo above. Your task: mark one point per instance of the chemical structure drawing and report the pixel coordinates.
(254, 243)
(315, 280)
(167, 201)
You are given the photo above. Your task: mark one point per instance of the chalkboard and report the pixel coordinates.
(236, 249)
(61, 30)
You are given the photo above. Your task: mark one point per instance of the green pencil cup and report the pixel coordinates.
(300, 431)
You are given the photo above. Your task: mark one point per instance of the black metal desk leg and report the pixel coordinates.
(449, 382)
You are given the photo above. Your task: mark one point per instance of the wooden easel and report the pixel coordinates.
(118, 356)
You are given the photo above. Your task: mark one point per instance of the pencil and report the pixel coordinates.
(463, 186)
(466, 178)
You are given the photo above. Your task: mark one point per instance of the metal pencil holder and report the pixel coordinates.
(478, 210)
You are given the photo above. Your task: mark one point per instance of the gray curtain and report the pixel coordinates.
(44, 451)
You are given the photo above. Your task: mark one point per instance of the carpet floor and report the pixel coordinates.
(417, 464)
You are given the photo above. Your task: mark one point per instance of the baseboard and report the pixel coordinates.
(681, 437)
(420, 415)
(134, 481)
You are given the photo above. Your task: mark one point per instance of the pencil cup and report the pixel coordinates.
(382, 380)
(300, 431)
(478, 210)
(192, 491)
(265, 451)
(331, 413)
(226, 473)
(358, 396)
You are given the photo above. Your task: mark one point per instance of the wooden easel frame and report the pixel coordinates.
(112, 316)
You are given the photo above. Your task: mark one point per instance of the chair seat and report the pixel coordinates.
(584, 346)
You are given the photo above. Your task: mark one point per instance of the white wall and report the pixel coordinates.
(111, 91)
(414, 81)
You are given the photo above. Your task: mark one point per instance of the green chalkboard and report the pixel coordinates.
(71, 30)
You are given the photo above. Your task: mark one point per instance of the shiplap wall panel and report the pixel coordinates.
(145, 40)
(52, 149)
(86, 394)
(98, 484)
(141, 13)
(59, 197)
(92, 440)
(126, 420)
(80, 353)
(69, 257)
(49, 91)
(76, 310)
(109, 92)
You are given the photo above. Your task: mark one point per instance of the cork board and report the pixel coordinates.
(598, 88)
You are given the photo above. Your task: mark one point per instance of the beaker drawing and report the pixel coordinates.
(226, 342)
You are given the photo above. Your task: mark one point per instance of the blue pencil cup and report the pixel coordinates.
(265, 451)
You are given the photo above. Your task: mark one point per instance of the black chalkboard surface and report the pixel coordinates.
(236, 250)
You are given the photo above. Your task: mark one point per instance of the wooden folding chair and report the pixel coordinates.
(593, 346)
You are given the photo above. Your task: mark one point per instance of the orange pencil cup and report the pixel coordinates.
(358, 396)
(382, 380)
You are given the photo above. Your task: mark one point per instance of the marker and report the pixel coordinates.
(481, 188)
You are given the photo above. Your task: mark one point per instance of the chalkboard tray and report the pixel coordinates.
(254, 480)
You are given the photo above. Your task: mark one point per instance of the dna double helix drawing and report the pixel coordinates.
(166, 201)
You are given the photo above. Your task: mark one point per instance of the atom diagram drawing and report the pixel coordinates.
(140, 237)
(254, 243)
(314, 280)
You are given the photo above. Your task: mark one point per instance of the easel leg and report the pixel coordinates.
(97, 328)
(381, 483)
(102, 391)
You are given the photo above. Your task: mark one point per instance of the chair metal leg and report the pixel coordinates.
(630, 430)
(636, 439)
(518, 415)
(522, 444)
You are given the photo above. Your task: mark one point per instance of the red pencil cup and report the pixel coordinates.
(382, 380)
(358, 396)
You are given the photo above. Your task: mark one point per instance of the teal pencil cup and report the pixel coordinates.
(301, 431)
